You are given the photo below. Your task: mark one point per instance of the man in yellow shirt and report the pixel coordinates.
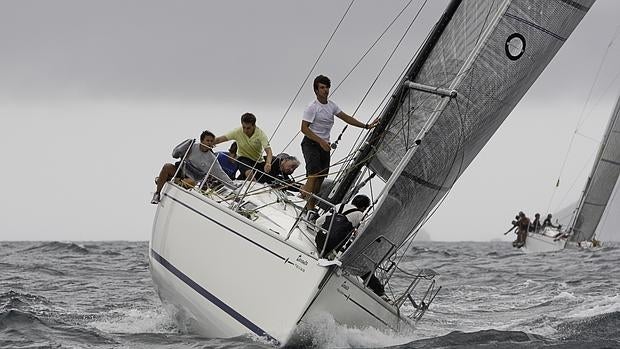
(251, 141)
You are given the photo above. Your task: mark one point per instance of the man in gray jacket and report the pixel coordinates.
(199, 162)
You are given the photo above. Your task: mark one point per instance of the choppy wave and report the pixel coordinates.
(25, 329)
(68, 294)
(59, 247)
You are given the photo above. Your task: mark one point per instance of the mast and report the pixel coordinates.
(363, 157)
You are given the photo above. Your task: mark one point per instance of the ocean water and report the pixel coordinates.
(100, 295)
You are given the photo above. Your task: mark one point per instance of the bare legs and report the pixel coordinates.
(166, 174)
(312, 186)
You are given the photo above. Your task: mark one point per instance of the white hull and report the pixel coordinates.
(226, 275)
(348, 302)
(586, 245)
(544, 242)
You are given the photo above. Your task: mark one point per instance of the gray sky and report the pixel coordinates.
(94, 95)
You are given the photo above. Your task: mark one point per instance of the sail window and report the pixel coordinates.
(515, 46)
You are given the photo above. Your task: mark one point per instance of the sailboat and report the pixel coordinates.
(594, 199)
(244, 262)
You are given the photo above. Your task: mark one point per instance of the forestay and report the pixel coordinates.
(601, 182)
(490, 52)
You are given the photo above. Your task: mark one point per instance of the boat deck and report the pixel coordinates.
(276, 212)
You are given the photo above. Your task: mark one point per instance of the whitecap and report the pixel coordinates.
(135, 321)
(596, 305)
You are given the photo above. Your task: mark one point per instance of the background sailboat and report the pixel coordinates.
(600, 187)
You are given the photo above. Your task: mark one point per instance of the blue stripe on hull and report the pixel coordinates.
(213, 299)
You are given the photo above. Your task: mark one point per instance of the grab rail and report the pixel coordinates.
(239, 194)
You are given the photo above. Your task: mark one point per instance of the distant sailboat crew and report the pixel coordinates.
(547, 222)
(536, 226)
(534, 237)
(522, 225)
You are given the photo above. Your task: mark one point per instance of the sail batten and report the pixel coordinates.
(490, 52)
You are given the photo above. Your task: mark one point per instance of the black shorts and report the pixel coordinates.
(317, 159)
(249, 164)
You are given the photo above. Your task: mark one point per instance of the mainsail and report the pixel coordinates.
(490, 53)
(601, 182)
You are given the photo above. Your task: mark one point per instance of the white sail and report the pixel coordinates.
(490, 53)
(601, 182)
(607, 229)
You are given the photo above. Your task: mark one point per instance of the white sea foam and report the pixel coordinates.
(135, 321)
(324, 332)
(564, 295)
(596, 305)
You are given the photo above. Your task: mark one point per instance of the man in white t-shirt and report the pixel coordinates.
(316, 125)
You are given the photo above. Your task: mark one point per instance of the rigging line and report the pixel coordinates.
(424, 276)
(577, 178)
(383, 104)
(608, 87)
(401, 130)
(589, 138)
(611, 42)
(391, 55)
(384, 66)
(371, 47)
(582, 114)
(291, 141)
(375, 151)
(312, 69)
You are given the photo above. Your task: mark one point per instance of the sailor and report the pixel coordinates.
(316, 125)
(342, 234)
(199, 162)
(535, 226)
(341, 229)
(522, 228)
(282, 168)
(251, 141)
(547, 222)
